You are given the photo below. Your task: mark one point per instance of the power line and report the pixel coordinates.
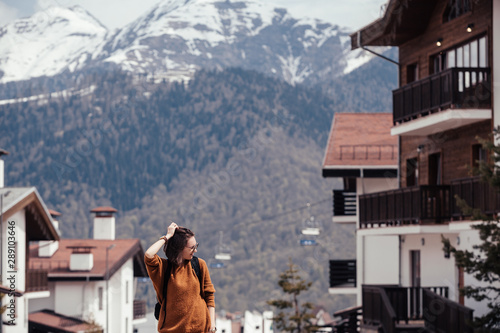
(272, 217)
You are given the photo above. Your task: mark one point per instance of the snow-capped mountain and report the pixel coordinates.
(177, 37)
(48, 43)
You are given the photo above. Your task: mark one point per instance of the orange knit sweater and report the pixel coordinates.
(187, 311)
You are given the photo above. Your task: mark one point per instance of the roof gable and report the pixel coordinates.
(403, 20)
(38, 219)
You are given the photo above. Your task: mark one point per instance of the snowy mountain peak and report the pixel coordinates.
(176, 38)
(48, 43)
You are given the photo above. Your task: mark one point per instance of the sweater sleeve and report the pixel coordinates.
(208, 287)
(154, 266)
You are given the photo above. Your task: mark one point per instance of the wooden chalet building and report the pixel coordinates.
(444, 103)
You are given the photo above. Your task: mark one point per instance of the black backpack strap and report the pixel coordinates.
(166, 278)
(195, 263)
(165, 285)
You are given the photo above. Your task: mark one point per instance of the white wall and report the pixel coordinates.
(268, 321)
(435, 269)
(38, 304)
(253, 322)
(381, 260)
(14, 239)
(223, 325)
(373, 185)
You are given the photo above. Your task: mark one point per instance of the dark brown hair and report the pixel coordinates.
(176, 244)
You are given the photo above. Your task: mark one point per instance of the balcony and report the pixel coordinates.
(411, 205)
(37, 280)
(344, 206)
(401, 309)
(139, 309)
(427, 204)
(477, 194)
(342, 273)
(464, 92)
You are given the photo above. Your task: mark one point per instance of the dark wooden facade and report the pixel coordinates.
(456, 150)
(420, 50)
(416, 58)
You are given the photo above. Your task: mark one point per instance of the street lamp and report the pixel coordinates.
(107, 287)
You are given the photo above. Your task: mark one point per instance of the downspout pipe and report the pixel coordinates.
(375, 53)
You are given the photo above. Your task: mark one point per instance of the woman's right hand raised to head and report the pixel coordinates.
(171, 230)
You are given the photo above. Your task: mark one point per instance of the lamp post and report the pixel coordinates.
(107, 287)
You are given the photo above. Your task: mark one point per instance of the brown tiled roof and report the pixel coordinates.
(50, 321)
(361, 139)
(58, 264)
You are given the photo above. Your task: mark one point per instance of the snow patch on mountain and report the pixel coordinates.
(49, 42)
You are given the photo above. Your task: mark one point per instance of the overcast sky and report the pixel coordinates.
(352, 14)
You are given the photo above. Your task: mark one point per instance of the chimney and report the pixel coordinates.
(104, 223)
(2, 152)
(48, 248)
(81, 258)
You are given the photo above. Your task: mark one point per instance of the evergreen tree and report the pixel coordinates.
(484, 261)
(291, 316)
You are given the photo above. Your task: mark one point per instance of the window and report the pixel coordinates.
(411, 73)
(411, 172)
(435, 169)
(455, 8)
(478, 155)
(126, 292)
(415, 268)
(473, 54)
(100, 295)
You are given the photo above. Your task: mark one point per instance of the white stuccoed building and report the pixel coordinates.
(90, 279)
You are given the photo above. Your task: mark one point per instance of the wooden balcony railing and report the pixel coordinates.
(37, 280)
(476, 194)
(455, 88)
(342, 273)
(387, 306)
(411, 205)
(443, 315)
(139, 309)
(427, 204)
(344, 203)
(377, 309)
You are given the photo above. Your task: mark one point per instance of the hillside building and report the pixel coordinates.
(445, 102)
(90, 279)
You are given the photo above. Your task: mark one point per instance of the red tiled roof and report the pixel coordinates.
(104, 209)
(58, 264)
(47, 320)
(361, 139)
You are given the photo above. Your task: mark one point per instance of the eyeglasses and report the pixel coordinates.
(192, 248)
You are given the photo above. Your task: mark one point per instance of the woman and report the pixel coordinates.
(186, 310)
